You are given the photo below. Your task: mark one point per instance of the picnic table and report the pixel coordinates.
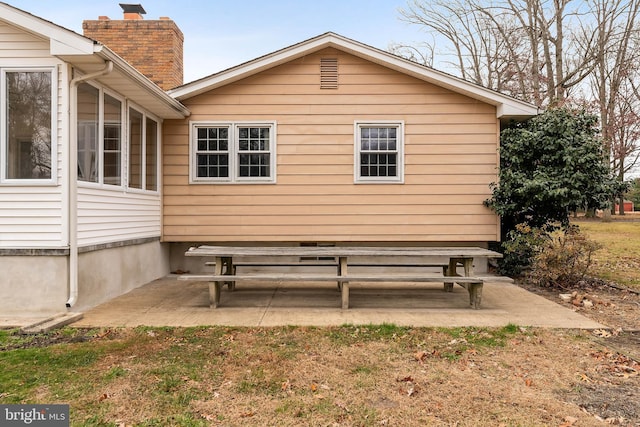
(225, 264)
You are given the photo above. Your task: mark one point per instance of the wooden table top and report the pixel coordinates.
(343, 251)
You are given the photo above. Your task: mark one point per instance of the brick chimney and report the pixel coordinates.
(154, 47)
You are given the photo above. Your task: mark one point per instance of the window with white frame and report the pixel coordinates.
(112, 141)
(99, 136)
(88, 134)
(233, 152)
(379, 151)
(143, 151)
(27, 111)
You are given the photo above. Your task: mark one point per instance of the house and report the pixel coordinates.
(332, 141)
(627, 204)
(328, 141)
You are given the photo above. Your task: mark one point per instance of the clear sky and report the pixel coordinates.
(219, 34)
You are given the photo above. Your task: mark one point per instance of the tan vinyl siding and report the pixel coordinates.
(450, 145)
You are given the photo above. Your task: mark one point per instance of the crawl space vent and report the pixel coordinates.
(328, 73)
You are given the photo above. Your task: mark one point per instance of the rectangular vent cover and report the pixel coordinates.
(328, 73)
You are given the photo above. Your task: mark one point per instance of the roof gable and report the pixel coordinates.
(89, 56)
(506, 106)
(62, 41)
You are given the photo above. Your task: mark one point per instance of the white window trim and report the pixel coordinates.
(124, 139)
(233, 153)
(126, 151)
(54, 127)
(358, 124)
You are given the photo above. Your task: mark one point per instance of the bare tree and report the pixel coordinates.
(422, 54)
(615, 32)
(624, 134)
(515, 46)
(467, 43)
(548, 52)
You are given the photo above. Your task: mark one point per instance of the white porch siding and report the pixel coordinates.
(106, 216)
(30, 217)
(34, 216)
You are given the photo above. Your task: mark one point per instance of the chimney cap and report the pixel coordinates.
(132, 8)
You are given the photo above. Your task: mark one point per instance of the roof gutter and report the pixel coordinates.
(73, 178)
(120, 64)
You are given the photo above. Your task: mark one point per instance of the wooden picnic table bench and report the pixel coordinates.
(226, 268)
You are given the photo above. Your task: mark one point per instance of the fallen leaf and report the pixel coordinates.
(342, 406)
(420, 356)
(585, 378)
(412, 390)
(208, 417)
(602, 333)
(569, 421)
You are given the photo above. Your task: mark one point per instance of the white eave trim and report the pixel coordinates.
(62, 40)
(127, 69)
(506, 106)
(67, 45)
(59, 48)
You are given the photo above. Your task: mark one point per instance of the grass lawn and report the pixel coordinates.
(375, 375)
(619, 258)
(337, 376)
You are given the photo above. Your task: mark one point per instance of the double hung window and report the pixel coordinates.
(233, 152)
(143, 151)
(379, 152)
(105, 150)
(27, 141)
(99, 136)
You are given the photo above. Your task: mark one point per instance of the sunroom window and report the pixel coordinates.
(99, 136)
(27, 147)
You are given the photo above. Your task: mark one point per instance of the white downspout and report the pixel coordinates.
(73, 178)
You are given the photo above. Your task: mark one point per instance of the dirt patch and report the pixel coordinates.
(612, 393)
(614, 306)
(608, 393)
(17, 340)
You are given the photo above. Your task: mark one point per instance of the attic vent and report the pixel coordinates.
(328, 73)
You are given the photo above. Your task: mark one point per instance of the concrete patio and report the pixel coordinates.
(169, 302)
